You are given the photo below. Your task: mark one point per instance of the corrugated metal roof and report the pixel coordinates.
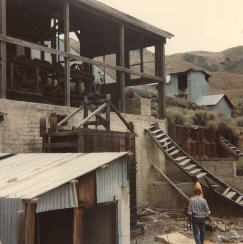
(124, 17)
(209, 100)
(29, 175)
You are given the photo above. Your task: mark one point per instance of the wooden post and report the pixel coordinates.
(141, 60)
(127, 65)
(86, 111)
(108, 112)
(160, 71)
(122, 63)
(3, 63)
(66, 49)
(30, 222)
(77, 220)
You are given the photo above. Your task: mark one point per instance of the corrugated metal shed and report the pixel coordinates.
(60, 198)
(109, 183)
(8, 219)
(27, 176)
(209, 100)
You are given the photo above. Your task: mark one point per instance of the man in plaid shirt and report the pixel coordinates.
(198, 209)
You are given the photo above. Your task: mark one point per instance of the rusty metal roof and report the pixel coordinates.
(29, 175)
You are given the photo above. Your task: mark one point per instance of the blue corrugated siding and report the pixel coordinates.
(197, 85)
(222, 107)
(8, 219)
(171, 89)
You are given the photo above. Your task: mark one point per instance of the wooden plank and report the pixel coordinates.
(177, 238)
(3, 57)
(171, 182)
(122, 118)
(97, 111)
(69, 116)
(67, 50)
(86, 190)
(38, 47)
(30, 209)
(61, 145)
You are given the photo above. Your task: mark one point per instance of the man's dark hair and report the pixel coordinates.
(197, 191)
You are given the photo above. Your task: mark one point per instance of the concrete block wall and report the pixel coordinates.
(19, 132)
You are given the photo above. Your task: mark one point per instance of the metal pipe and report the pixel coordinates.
(98, 110)
(69, 116)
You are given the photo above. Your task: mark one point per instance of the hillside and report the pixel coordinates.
(226, 67)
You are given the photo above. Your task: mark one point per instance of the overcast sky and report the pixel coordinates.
(205, 25)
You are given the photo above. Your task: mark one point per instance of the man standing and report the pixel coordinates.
(198, 209)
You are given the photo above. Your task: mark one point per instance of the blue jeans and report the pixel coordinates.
(198, 226)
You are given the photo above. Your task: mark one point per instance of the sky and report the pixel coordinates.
(197, 25)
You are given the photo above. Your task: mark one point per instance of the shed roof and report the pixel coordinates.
(212, 100)
(191, 70)
(125, 17)
(29, 175)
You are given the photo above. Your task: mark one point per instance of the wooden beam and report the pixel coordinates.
(160, 71)
(139, 81)
(3, 55)
(122, 64)
(122, 118)
(30, 209)
(108, 112)
(97, 111)
(171, 182)
(38, 47)
(105, 10)
(77, 219)
(67, 50)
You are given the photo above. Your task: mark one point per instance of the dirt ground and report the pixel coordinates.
(154, 222)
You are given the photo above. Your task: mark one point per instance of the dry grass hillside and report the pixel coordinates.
(226, 67)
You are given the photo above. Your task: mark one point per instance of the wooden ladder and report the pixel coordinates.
(229, 147)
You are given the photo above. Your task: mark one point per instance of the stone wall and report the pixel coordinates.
(19, 132)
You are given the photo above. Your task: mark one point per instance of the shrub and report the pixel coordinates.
(228, 129)
(201, 118)
(176, 117)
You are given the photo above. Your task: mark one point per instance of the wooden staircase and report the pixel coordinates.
(193, 169)
(228, 146)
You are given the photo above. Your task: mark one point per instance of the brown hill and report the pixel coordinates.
(226, 67)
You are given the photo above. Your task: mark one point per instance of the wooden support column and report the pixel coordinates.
(122, 63)
(3, 63)
(127, 65)
(30, 209)
(141, 60)
(108, 112)
(77, 219)
(160, 71)
(86, 111)
(66, 49)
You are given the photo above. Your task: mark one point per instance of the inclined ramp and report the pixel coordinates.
(228, 146)
(192, 168)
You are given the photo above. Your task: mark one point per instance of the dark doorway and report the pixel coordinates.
(100, 224)
(55, 227)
